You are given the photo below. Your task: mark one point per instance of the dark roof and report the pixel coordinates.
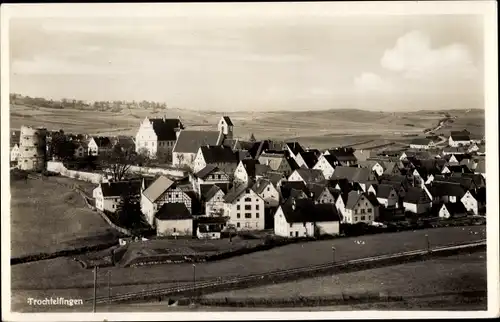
(394, 178)
(14, 137)
(481, 167)
(206, 191)
(125, 142)
(191, 141)
(237, 191)
(228, 120)
(344, 184)
(218, 154)
(352, 199)
(420, 141)
(212, 192)
(306, 211)
(173, 211)
(331, 159)
(479, 194)
(275, 177)
(165, 129)
(102, 141)
(116, 189)
(455, 208)
(384, 190)
(343, 154)
(416, 195)
(310, 158)
(373, 199)
(210, 220)
(203, 173)
(352, 174)
(288, 186)
(476, 178)
(458, 168)
(311, 175)
(315, 190)
(295, 147)
(260, 185)
(250, 166)
(460, 136)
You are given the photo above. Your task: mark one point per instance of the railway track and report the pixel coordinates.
(275, 275)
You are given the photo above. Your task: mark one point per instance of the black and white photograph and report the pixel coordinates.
(194, 161)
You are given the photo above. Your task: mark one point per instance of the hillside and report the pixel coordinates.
(314, 128)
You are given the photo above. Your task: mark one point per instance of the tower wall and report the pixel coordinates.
(32, 148)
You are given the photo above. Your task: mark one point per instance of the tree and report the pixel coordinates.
(118, 162)
(129, 214)
(252, 138)
(61, 147)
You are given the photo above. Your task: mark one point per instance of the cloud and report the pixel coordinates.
(370, 82)
(414, 58)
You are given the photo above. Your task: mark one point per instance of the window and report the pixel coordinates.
(248, 207)
(369, 217)
(257, 215)
(218, 176)
(238, 224)
(248, 215)
(268, 188)
(248, 199)
(291, 234)
(290, 225)
(369, 210)
(362, 211)
(256, 207)
(175, 229)
(247, 225)
(356, 211)
(355, 218)
(238, 215)
(296, 234)
(176, 195)
(362, 217)
(238, 207)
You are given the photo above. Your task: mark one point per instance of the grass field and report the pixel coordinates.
(64, 273)
(320, 129)
(47, 217)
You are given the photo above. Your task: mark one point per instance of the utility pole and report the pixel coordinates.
(109, 287)
(95, 288)
(194, 281)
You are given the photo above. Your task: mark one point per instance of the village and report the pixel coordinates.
(210, 183)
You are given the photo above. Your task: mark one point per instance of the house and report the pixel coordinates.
(455, 168)
(213, 197)
(459, 138)
(188, 144)
(107, 195)
(416, 201)
(277, 162)
(297, 189)
(344, 155)
(455, 209)
(173, 219)
(385, 194)
(225, 126)
(276, 178)
(327, 164)
(161, 191)
(293, 149)
(98, 145)
(363, 176)
(244, 208)
(454, 150)
(80, 151)
(481, 150)
(475, 201)
(362, 155)
(390, 168)
(359, 208)
(250, 169)
(125, 143)
(443, 191)
(320, 193)
(260, 147)
(307, 159)
(268, 192)
(157, 136)
(303, 218)
(481, 168)
(307, 176)
(209, 227)
(374, 166)
(220, 156)
(478, 180)
(421, 143)
(473, 148)
(14, 152)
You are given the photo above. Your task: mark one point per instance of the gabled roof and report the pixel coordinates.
(218, 154)
(455, 208)
(316, 190)
(207, 191)
(157, 188)
(481, 167)
(343, 154)
(236, 192)
(116, 189)
(343, 184)
(147, 181)
(304, 210)
(295, 147)
(210, 193)
(288, 186)
(476, 178)
(352, 174)
(165, 128)
(203, 173)
(416, 195)
(250, 166)
(460, 136)
(260, 185)
(441, 189)
(310, 158)
(331, 159)
(102, 141)
(190, 141)
(275, 177)
(228, 120)
(373, 199)
(352, 199)
(420, 141)
(479, 194)
(384, 190)
(173, 211)
(311, 175)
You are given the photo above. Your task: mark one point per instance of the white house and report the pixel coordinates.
(268, 192)
(421, 143)
(307, 176)
(386, 195)
(214, 200)
(98, 145)
(448, 210)
(225, 126)
(326, 164)
(277, 162)
(359, 208)
(211, 174)
(459, 138)
(220, 156)
(173, 219)
(245, 208)
(322, 194)
(303, 218)
(416, 200)
(157, 136)
(107, 195)
(161, 191)
(373, 165)
(14, 152)
(188, 144)
(474, 201)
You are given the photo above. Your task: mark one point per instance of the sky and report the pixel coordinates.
(293, 61)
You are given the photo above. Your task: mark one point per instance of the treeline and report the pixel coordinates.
(111, 106)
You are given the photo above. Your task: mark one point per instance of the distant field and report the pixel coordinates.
(464, 272)
(47, 217)
(63, 273)
(319, 129)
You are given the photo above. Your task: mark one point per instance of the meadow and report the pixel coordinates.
(319, 129)
(48, 217)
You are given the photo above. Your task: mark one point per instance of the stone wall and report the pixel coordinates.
(153, 171)
(59, 167)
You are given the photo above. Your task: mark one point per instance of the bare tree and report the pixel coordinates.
(118, 162)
